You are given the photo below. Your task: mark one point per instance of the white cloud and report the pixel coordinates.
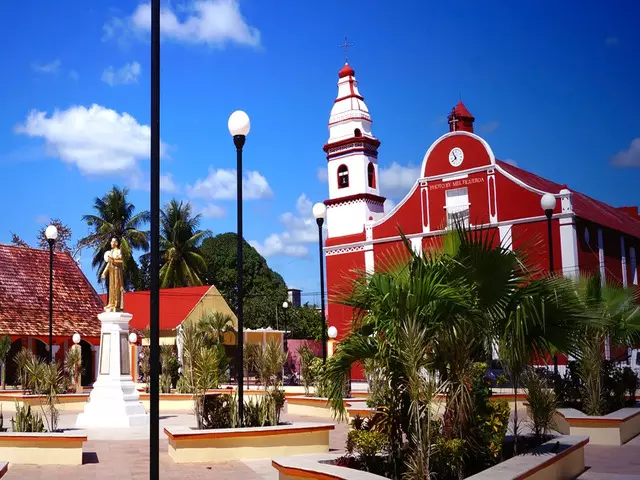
(212, 211)
(51, 68)
(611, 41)
(221, 184)
(167, 184)
(511, 161)
(629, 157)
(300, 229)
(489, 127)
(41, 219)
(397, 180)
(73, 75)
(209, 22)
(98, 140)
(323, 175)
(124, 75)
(389, 205)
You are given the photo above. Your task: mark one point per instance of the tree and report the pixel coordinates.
(141, 280)
(17, 241)
(264, 289)
(5, 346)
(62, 243)
(304, 322)
(114, 217)
(182, 262)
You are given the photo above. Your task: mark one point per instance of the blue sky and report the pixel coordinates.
(552, 87)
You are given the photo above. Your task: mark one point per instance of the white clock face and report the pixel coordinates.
(456, 155)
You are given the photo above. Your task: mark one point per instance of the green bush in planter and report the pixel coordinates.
(26, 420)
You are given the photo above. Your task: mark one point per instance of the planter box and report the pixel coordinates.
(66, 402)
(616, 428)
(42, 448)
(188, 445)
(559, 459)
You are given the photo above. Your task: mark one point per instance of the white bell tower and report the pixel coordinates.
(352, 162)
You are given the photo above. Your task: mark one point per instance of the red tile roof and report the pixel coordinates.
(175, 305)
(24, 295)
(461, 111)
(584, 206)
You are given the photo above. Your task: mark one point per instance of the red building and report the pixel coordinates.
(459, 177)
(24, 307)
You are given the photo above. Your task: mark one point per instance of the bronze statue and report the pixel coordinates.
(113, 259)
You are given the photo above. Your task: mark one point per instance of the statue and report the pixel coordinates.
(113, 259)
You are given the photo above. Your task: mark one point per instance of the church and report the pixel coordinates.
(460, 177)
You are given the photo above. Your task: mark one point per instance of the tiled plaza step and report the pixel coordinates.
(590, 475)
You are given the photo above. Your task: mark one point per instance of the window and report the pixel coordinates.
(343, 176)
(457, 206)
(357, 133)
(371, 175)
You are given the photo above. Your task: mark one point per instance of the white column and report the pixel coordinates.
(623, 261)
(607, 343)
(55, 349)
(179, 346)
(569, 247)
(95, 351)
(416, 244)
(369, 262)
(634, 267)
(506, 239)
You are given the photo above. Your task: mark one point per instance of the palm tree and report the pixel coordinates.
(464, 296)
(114, 217)
(215, 324)
(614, 315)
(182, 263)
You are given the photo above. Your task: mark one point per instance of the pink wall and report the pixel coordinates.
(293, 345)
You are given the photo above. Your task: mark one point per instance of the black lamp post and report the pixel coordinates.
(319, 212)
(154, 294)
(548, 204)
(51, 233)
(285, 306)
(239, 125)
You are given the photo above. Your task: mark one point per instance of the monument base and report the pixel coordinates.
(114, 401)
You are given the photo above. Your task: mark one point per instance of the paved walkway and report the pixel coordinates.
(123, 454)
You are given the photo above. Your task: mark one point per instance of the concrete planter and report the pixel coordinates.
(559, 459)
(616, 428)
(42, 448)
(66, 402)
(188, 445)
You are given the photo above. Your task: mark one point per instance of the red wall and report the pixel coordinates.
(477, 187)
(475, 155)
(587, 252)
(516, 202)
(407, 218)
(533, 239)
(340, 276)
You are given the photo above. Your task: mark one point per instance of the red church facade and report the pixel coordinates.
(461, 178)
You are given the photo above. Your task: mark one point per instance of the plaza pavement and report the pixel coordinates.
(123, 454)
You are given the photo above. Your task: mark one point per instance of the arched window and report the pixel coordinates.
(357, 132)
(343, 176)
(371, 175)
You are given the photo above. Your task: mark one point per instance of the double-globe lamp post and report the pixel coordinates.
(239, 126)
(51, 232)
(319, 212)
(548, 204)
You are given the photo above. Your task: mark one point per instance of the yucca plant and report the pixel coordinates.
(22, 359)
(5, 346)
(73, 367)
(542, 404)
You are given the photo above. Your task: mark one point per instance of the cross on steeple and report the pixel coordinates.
(453, 120)
(346, 46)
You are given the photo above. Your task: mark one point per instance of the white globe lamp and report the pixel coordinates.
(285, 305)
(548, 202)
(319, 212)
(333, 332)
(76, 338)
(133, 338)
(51, 233)
(239, 123)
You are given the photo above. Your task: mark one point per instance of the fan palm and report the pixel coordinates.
(115, 217)
(614, 315)
(182, 262)
(215, 324)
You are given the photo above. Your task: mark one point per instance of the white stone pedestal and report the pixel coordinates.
(114, 400)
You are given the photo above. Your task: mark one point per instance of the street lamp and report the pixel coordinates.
(285, 306)
(319, 212)
(333, 332)
(239, 126)
(548, 204)
(133, 338)
(76, 338)
(51, 233)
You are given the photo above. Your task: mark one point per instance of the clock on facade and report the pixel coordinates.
(456, 155)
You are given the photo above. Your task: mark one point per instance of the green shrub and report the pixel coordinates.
(542, 402)
(219, 411)
(447, 458)
(26, 420)
(366, 443)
